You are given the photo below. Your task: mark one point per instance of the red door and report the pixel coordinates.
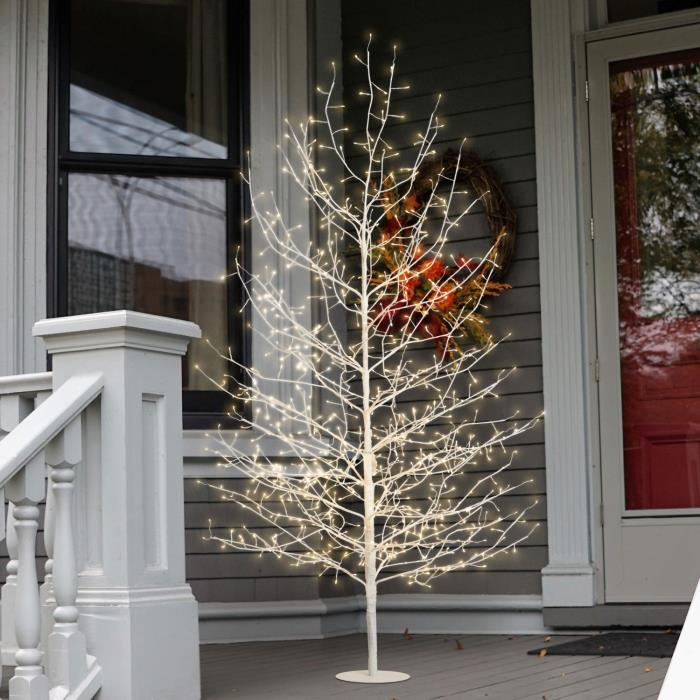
(655, 105)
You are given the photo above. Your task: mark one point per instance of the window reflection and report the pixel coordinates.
(156, 245)
(149, 78)
(656, 133)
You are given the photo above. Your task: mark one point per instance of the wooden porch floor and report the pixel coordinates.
(493, 667)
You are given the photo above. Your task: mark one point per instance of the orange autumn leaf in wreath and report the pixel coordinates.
(432, 269)
(444, 297)
(411, 203)
(409, 282)
(430, 298)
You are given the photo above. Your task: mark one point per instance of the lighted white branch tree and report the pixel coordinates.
(377, 486)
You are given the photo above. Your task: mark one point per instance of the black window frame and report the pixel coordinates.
(201, 409)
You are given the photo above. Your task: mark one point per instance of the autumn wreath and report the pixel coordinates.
(431, 298)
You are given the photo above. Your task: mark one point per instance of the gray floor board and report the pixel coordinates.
(494, 667)
(596, 675)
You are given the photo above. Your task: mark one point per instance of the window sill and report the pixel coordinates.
(200, 459)
(197, 445)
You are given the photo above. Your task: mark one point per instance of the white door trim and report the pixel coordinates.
(561, 30)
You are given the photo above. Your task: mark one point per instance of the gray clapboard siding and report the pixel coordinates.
(198, 543)
(231, 589)
(414, 25)
(515, 327)
(477, 55)
(199, 514)
(478, 97)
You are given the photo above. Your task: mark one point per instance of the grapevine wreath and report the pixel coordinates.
(431, 298)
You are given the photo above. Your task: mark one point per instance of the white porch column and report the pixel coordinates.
(24, 38)
(568, 579)
(136, 609)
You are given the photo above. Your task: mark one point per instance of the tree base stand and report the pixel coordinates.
(378, 677)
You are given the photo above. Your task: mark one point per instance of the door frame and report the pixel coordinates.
(599, 53)
(574, 575)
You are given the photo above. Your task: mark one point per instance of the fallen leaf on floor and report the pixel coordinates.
(406, 634)
(648, 669)
(543, 652)
(458, 645)
(547, 639)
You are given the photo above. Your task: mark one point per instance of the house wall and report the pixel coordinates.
(478, 56)
(290, 42)
(225, 575)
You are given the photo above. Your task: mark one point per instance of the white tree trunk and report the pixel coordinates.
(368, 459)
(370, 564)
(371, 595)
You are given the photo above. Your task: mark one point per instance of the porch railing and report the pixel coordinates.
(98, 442)
(44, 430)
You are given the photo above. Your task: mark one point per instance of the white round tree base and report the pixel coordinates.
(378, 677)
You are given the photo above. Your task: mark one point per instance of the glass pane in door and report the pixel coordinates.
(655, 103)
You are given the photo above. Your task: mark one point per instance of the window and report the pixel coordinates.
(147, 139)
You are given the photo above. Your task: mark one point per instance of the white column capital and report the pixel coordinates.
(115, 329)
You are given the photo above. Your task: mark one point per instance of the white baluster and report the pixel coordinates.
(13, 410)
(9, 593)
(25, 490)
(46, 589)
(67, 648)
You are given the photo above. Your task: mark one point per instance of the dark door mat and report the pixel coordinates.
(657, 644)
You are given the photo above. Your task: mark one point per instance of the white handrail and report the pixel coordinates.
(46, 421)
(25, 383)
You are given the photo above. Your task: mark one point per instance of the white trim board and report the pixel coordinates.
(279, 94)
(569, 579)
(24, 37)
(222, 623)
(292, 41)
(641, 25)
